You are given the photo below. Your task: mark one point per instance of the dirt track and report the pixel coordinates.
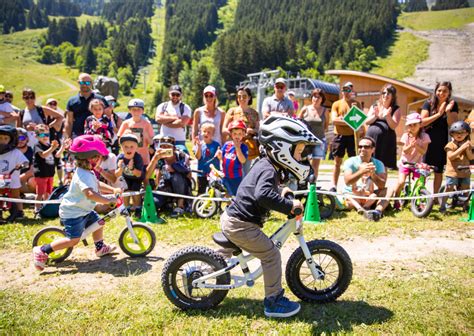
(451, 58)
(84, 272)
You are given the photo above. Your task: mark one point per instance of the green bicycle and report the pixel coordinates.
(420, 207)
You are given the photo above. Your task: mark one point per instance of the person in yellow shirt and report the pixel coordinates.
(343, 140)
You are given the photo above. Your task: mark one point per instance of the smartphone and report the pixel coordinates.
(168, 152)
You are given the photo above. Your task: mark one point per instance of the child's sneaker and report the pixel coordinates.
(177, 212)
(397, 206)
(39, 258)
(106, 249)
(280, 306)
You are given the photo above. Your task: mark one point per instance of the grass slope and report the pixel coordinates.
(449, 19)
(408, 50)
(20, 70)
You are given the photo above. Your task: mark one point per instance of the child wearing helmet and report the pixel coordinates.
(283, 140)
(76, 210)
(233, 155)
(11, 158)
(458, 153)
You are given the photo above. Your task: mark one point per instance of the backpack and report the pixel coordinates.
(181, 108)
(46, 121)
(52, 210)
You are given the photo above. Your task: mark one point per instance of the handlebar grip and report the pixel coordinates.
(290, 196)
(298, 211)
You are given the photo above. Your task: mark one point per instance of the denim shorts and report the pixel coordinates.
(458, 181)
(319, 151)
(74, 227)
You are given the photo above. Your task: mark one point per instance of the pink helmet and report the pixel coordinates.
(87, 146)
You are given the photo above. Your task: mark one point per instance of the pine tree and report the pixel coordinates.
(416, 6)
(89, 59)
(449, 4)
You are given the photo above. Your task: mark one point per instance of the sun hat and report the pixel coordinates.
(413, 118)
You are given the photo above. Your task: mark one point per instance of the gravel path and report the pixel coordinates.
(451, 58)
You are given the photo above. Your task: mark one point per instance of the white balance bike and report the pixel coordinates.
(135, 240)
(199, 278)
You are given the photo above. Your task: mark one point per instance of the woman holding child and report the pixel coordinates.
(244, 112)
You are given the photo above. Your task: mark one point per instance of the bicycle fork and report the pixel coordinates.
(315, 271)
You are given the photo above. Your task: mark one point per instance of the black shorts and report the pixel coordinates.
(341, 144)
(133, 184)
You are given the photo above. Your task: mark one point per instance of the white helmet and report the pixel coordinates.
(280, 135)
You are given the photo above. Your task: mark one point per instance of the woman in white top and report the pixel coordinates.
(209, 113)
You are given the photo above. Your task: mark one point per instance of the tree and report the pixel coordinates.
(416, 6)
(89, 58)
(48, 55)
(36, 18)
(449, 4)
(200, 81)
(125, 78)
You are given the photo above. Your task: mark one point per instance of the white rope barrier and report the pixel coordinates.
(218, 199)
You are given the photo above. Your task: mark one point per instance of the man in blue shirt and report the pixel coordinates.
(364, 164)
(77, 109)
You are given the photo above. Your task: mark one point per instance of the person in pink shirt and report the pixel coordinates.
(415, 143)
(140, 127)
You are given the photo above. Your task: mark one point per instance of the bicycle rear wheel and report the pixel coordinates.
(46, 236)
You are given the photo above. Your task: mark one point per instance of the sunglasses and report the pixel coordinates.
(22, 137)
(385, 93)
(209, 96)
(28, 97)
(346, 90)
(43, 135)
(365, 146)
(8, 96)
(280, 87)
(85, 82)
(53, 103)
(317, 97)
(242, 96)
(174, 94)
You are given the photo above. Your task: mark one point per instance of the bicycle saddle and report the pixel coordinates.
(220, 239)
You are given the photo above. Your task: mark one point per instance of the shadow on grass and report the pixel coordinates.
(340, 316)
(123, 267)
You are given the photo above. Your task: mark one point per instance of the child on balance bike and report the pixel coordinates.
(284, 140)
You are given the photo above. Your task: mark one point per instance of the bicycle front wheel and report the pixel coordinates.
(146, 240)
(330, 259)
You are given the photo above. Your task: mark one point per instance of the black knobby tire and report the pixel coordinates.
(331, 259)
(186, 265)
(421, 207)
(327, 204)
(145, 235)
(205, 208)
(46, 236)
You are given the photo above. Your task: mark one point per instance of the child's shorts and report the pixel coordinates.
(74, 227)
(133, 184)
(406, 171)
(458, 181)
(44, 185)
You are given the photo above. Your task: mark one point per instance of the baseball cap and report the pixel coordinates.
(348, 84)
(128, 137)
(280, 80)
(209, 89)
(135, 102)
(236, 124)
(50, 100)
(413, 118)
(2, 89)
(175, 88)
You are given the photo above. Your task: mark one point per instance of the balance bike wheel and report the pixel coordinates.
(146, 240)
(332, 260)
(205, 208)
(186, 265)
(421, 207)
(46, 236)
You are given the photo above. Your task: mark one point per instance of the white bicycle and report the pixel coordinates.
(135, 240)
(199, 278)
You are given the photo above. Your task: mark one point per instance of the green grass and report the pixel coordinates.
(20, 70)
(403, 56)
(449, 19)
(430, 296)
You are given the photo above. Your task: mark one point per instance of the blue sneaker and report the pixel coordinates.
(280, 306)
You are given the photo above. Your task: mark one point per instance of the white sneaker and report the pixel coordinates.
(39, 258)
(106, 249)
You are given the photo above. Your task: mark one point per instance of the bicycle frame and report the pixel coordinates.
(121, 210)
(293, 225)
